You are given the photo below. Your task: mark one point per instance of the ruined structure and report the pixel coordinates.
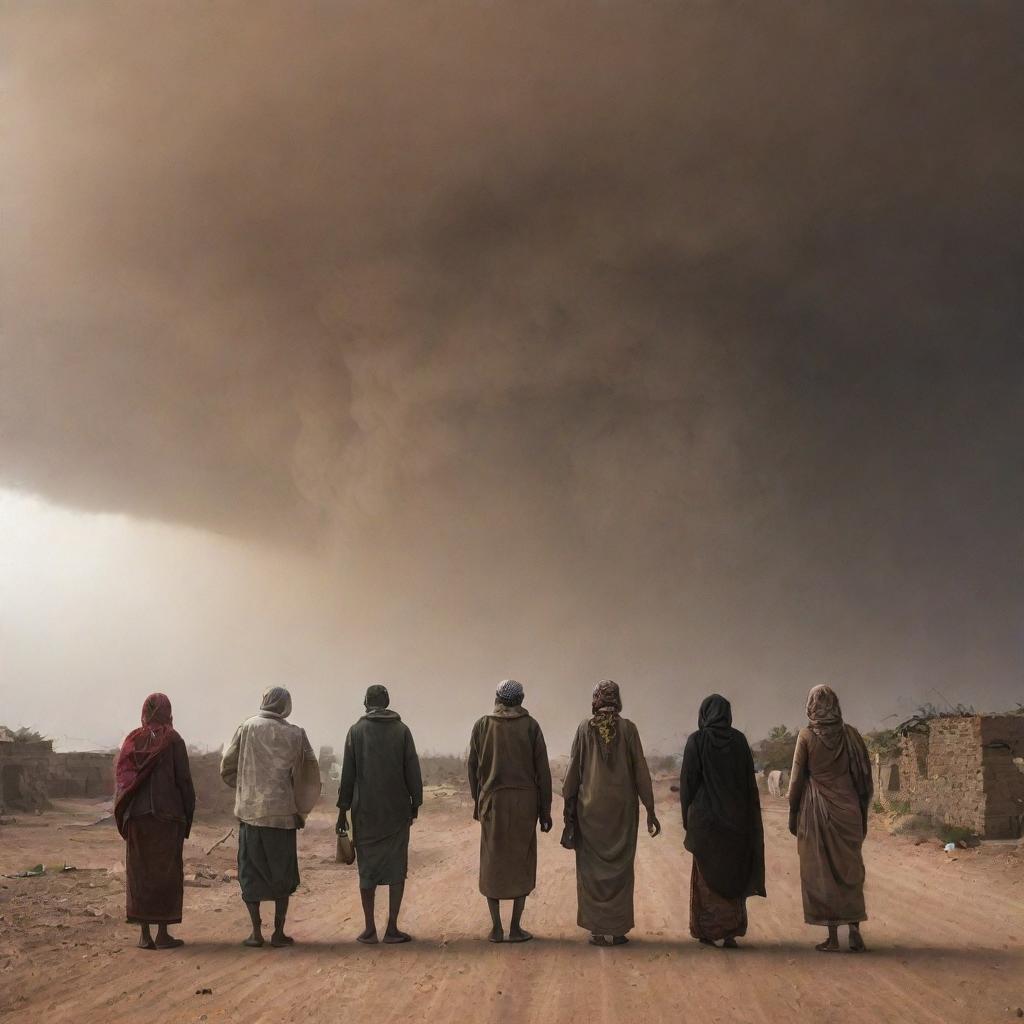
(24, 769)
(31, 773)
(81, 773)
(963, 770)
(214, 799)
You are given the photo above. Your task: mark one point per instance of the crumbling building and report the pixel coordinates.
(960, 770)
(24, 770)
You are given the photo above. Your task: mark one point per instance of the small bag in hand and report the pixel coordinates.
(568, 839)
(345, 852)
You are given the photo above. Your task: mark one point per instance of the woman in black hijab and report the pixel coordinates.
(722, 819)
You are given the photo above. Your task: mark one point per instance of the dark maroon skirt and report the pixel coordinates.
(155, 878)
(714, 917)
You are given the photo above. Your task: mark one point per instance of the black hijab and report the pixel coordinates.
(721, 807)
(714, 721)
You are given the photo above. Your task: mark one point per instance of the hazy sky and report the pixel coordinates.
(433, 343)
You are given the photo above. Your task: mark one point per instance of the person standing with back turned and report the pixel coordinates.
(510, 781)
(153, 808)
(829, 795)
(606, 780)
(722, 818)
(381, 784)
(276, 778)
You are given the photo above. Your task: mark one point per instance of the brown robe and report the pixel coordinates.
(603, 790)
(831, 825)
(510, 780)
(157, 820)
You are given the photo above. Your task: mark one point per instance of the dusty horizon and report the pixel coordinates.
(675, 343)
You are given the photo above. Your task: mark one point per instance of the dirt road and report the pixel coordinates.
(946, 938)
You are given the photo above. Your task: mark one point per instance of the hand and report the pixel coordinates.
(342, 827)
(545, 824)
(653, 826)
(793, 821)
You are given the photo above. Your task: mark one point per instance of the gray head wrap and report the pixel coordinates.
(510, 693)
(278, 701)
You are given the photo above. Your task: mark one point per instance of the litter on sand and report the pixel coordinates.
(29, 873)
(40, 869)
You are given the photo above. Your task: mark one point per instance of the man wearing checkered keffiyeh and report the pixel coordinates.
(510, 694)
(510, 779)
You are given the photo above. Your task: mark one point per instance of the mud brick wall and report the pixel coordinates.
(962, 771)
(81, 774)
(940, 773)
(214, 799)
(1002, 751)
(24, 767)
(954, 789)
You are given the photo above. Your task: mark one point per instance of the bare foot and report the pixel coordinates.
(279, 939)
(254, 941)
(393, 936)
(730, 943)
(497, 935)
(856, 942)
(519, 935)
(828, 946)
(368, 937)
(619, 940)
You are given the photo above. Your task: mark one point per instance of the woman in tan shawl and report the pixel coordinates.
(605, 782)
(829, 795)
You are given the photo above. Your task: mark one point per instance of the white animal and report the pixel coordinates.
(775, 782)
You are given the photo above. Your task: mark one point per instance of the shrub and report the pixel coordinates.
(954, 834)
(884, 742)
(775, 752)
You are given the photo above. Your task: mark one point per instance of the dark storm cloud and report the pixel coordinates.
(695, 325)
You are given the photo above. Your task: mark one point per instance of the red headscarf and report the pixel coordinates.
(140, 751)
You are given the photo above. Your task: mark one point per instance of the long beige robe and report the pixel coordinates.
(510, 779)
(830, 829)
(606, 788)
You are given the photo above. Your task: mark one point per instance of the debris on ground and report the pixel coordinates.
(29, 872)
(107, 819)
(230, 832)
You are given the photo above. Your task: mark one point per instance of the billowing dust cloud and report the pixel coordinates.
(676, 342)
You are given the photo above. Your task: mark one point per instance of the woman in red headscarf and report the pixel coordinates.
(153, 808)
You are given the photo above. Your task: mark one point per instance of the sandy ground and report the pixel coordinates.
(946, 938)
